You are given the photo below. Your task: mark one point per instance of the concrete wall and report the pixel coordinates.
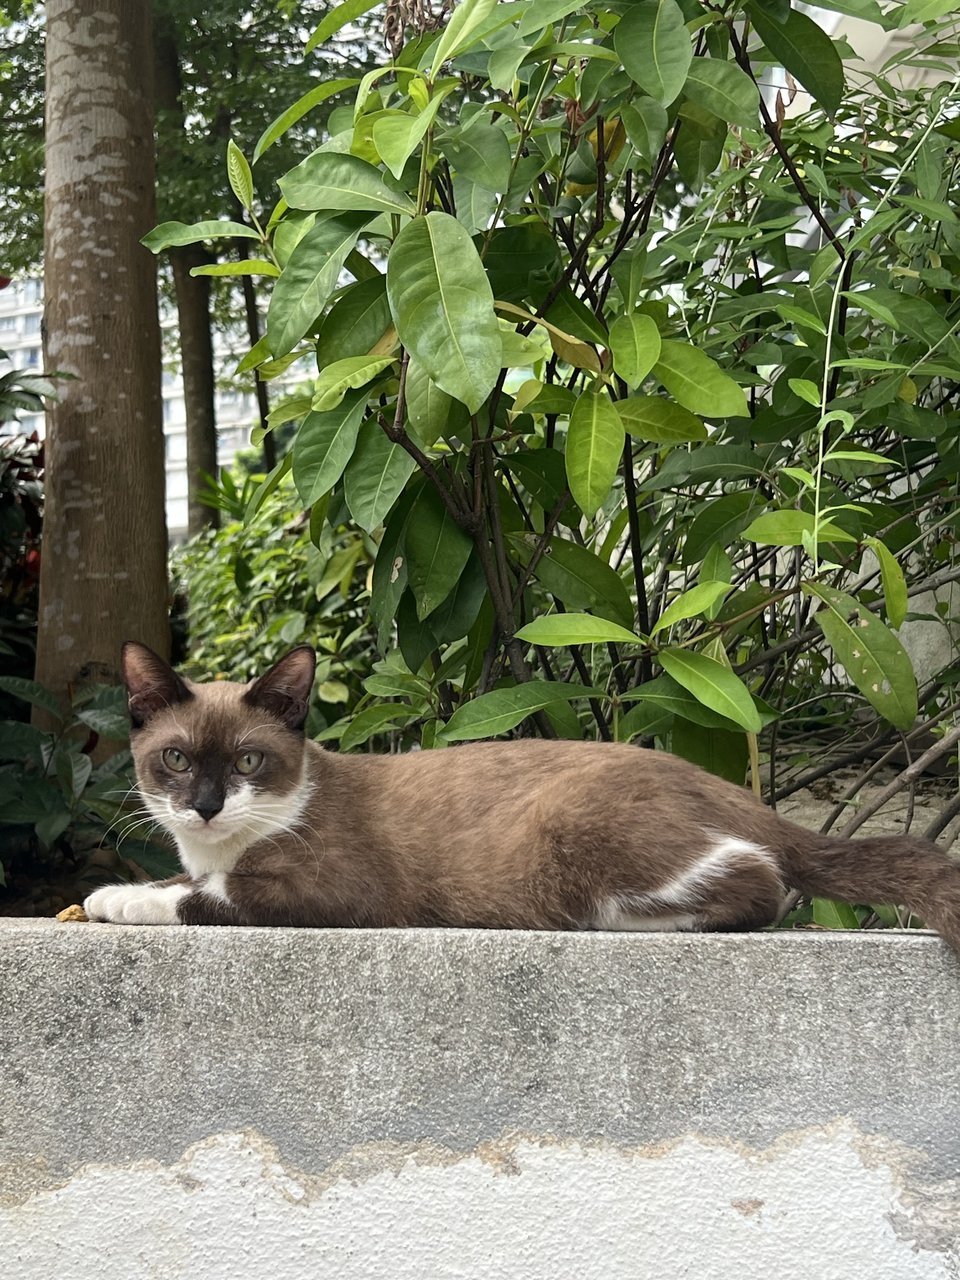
(233, 1104)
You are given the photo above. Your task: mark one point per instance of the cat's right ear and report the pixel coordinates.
(152, 684)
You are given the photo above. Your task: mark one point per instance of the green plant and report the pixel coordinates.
(57, 807)
(642, 387)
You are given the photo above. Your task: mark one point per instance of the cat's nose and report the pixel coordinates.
(208, 809)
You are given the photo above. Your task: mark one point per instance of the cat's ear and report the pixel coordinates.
(152, 684)
(285, 689)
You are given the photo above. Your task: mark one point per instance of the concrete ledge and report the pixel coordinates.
(235, 1103)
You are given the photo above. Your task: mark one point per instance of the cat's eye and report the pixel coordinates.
(175, 760)
(249, 762)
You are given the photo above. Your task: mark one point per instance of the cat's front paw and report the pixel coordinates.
(136, 903)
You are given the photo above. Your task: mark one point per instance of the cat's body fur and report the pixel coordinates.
(526, 834)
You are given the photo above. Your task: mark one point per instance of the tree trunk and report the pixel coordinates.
(193, 293)
(103, 575)
(199, 389)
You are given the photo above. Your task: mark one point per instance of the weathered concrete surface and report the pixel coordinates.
(235, 1104)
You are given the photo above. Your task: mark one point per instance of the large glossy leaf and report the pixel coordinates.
(698, 382)
(722, 752)
(654, 44)
(33, 692)
(453, 617)
(724, 90)
(635, 346)
(870, 653)
(442, 305)
(503, 709)
(375, 476)
(396, 135)
(390, 568)
(578, 577)
(594, 445)
(673, 699)
(436, 551)
(309, 278)
(805, 50)
(330, 180)
(713, 684)
(699, 144)
(482, 154)
(324, 445)
(575, 628)
(357, 320)
(662, 421)
(646, 124)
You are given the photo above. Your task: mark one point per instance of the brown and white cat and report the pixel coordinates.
(273, 830)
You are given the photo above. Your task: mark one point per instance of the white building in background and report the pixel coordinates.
(21, 310)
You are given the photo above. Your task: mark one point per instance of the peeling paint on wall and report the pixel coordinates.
(823, 1203)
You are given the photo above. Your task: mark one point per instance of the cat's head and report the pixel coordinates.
(217, 761)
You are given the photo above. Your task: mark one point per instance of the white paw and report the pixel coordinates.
(136, 903)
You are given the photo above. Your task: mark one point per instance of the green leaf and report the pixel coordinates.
(338, 17)
(462, 27)
(698, 383)
(442, 305)
(245, 267)
(699, 144)
(436, 550)
(73, 772)
(829, 914)
(482, 154)
(356, 322)
(453, 617)
(870, 653)
(309, 278)
(502, 710)
(396, 134)
(324, 445)
(787, 528)
(239, 175)
(654, 45)
(312, 98)
(691, 604)
(575, 628)
(714, 685)
(375, 476)
(329, 180)
(169, 234)
(805, 50)
(635, 346)
(52, 826)
(429, 410)
(578, 577)
(336, 379)
(372, 720)
(33, 692)
(724, 90)
(646, 124)
(673, 699)
(662, 421)
(108, 722)
(894, 584)
(594, 445)
(926, 10)
(719, 523)
(722, 752)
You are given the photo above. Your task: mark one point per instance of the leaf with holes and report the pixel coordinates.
(869, 652)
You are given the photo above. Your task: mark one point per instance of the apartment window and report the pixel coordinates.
(31, 322)
(8, 324)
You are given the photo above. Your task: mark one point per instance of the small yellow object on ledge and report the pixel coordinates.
(75, 912)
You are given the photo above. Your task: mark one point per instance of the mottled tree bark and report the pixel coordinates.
(192, 292)
(103, 576)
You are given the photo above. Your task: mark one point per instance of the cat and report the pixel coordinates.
(272, 829)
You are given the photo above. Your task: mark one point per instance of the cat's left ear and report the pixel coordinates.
(285, 689)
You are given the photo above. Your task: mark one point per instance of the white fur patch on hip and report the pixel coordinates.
(674, 906)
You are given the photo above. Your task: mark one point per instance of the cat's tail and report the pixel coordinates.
(891, 870)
